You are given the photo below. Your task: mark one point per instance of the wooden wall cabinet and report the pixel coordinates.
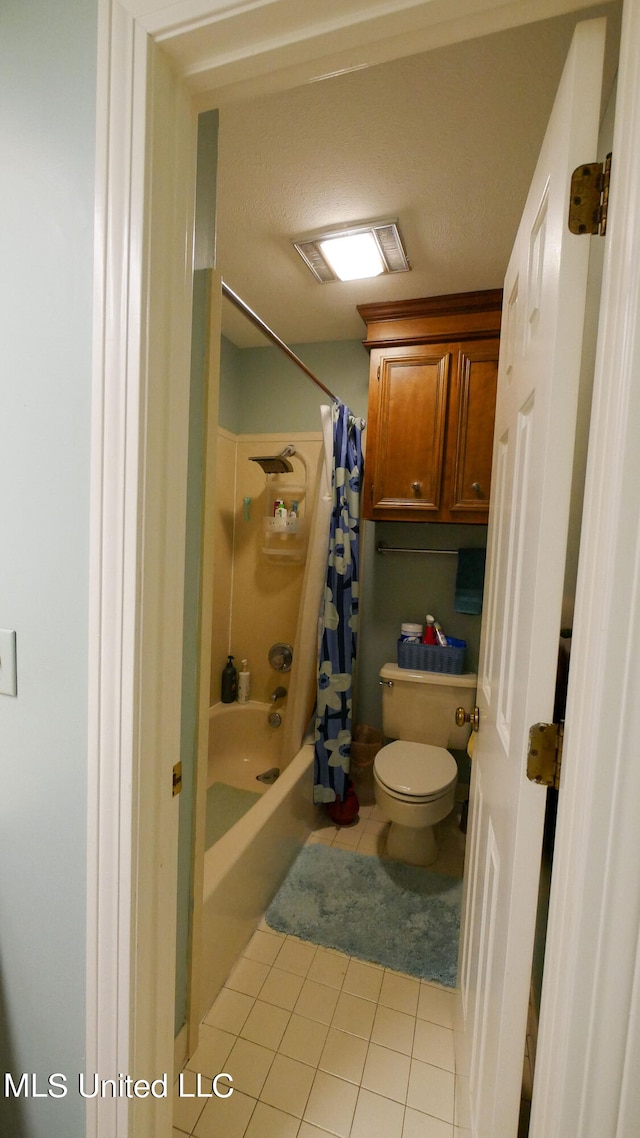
(432, 395)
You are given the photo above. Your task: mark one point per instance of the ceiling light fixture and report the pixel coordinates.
(354, 253)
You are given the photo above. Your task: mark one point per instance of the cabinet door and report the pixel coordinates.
(408, 414)
(470, 433)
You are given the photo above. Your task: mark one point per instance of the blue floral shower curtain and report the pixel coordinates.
(339, 615)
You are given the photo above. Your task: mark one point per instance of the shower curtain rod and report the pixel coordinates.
(267, 331)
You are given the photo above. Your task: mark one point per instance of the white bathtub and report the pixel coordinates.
(244, 869)
(242, 744)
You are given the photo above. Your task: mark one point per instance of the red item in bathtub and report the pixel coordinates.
(344, 813)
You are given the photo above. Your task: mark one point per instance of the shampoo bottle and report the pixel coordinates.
(244, 683)
(229, 685)
(429, 636)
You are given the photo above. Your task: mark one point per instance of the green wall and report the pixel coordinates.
(405, 587)
(48, 59)
(230, 386)
(263, 391)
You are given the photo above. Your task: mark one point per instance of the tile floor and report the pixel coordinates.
(320, 1044)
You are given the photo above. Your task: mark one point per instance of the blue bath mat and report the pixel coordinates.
(225, 805)
(379, 910)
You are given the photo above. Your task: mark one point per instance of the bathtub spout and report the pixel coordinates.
(279, 693)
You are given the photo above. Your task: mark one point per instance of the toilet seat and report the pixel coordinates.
(415, 772)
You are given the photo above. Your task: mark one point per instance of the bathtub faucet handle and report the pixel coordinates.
(279, 693)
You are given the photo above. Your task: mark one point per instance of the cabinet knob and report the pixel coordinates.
(416, 487)
(477, 489)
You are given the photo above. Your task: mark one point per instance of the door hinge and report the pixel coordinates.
(589, 198)
(544, 757)
(378, 372)
(177, 779)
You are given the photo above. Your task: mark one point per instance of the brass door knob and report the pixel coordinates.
(472, 717)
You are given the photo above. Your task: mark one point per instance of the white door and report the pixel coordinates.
(538, 379)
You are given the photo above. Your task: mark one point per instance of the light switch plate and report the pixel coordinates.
(8, 671)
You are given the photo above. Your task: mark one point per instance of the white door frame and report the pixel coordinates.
(144, 239)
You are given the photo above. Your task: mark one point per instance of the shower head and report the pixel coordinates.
(275, 463)
(272, 464)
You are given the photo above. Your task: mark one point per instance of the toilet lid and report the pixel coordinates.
(417, 770)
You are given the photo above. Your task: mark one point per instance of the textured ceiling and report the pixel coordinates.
(445, 141)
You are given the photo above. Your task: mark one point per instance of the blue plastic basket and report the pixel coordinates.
(431, 658)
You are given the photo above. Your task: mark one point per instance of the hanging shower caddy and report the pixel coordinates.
(284, 528)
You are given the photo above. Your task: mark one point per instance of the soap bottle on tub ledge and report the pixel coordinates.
(244, 683)
(229, 683)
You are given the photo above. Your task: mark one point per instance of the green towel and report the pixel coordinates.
(469, 581)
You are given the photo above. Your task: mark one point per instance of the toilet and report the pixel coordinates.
(415, 775)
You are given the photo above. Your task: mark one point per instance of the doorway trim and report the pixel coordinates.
(144, 241)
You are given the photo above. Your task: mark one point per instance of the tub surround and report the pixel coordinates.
(256, 599)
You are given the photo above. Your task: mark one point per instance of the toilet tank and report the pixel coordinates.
(420, 706)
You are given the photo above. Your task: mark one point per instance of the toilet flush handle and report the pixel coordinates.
(472, 717)
(385, 683)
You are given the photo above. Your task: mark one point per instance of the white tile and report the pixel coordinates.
(350, 835)
(400, 992)
(248, 976)
(295, 956)
(331, 1104)
(186, 1111)
(378, 815)
(418, 1125)
(263, 946)
(386, 1072)
(317, 1001)
(265, 1025)
(344, 1055)
(324, 837)
(434, 1044)
(325, 826)
(281, 988)
(354, 1015)
(377, 1117)
(364, 980)
(267, 1122)
(229, 1010)
(436, 1005)
(328, 967)
(431, 1090)
(287, 1085)
(248, 1064)
(370, 844)
(393, 1029)
(304, 1039)
(225, 1118)
(308, 1131)
(212, 1051)
(377, 828)
(263, 927)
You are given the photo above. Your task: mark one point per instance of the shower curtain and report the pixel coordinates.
(339, 613)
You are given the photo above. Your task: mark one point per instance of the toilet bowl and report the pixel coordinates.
(415, 776)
